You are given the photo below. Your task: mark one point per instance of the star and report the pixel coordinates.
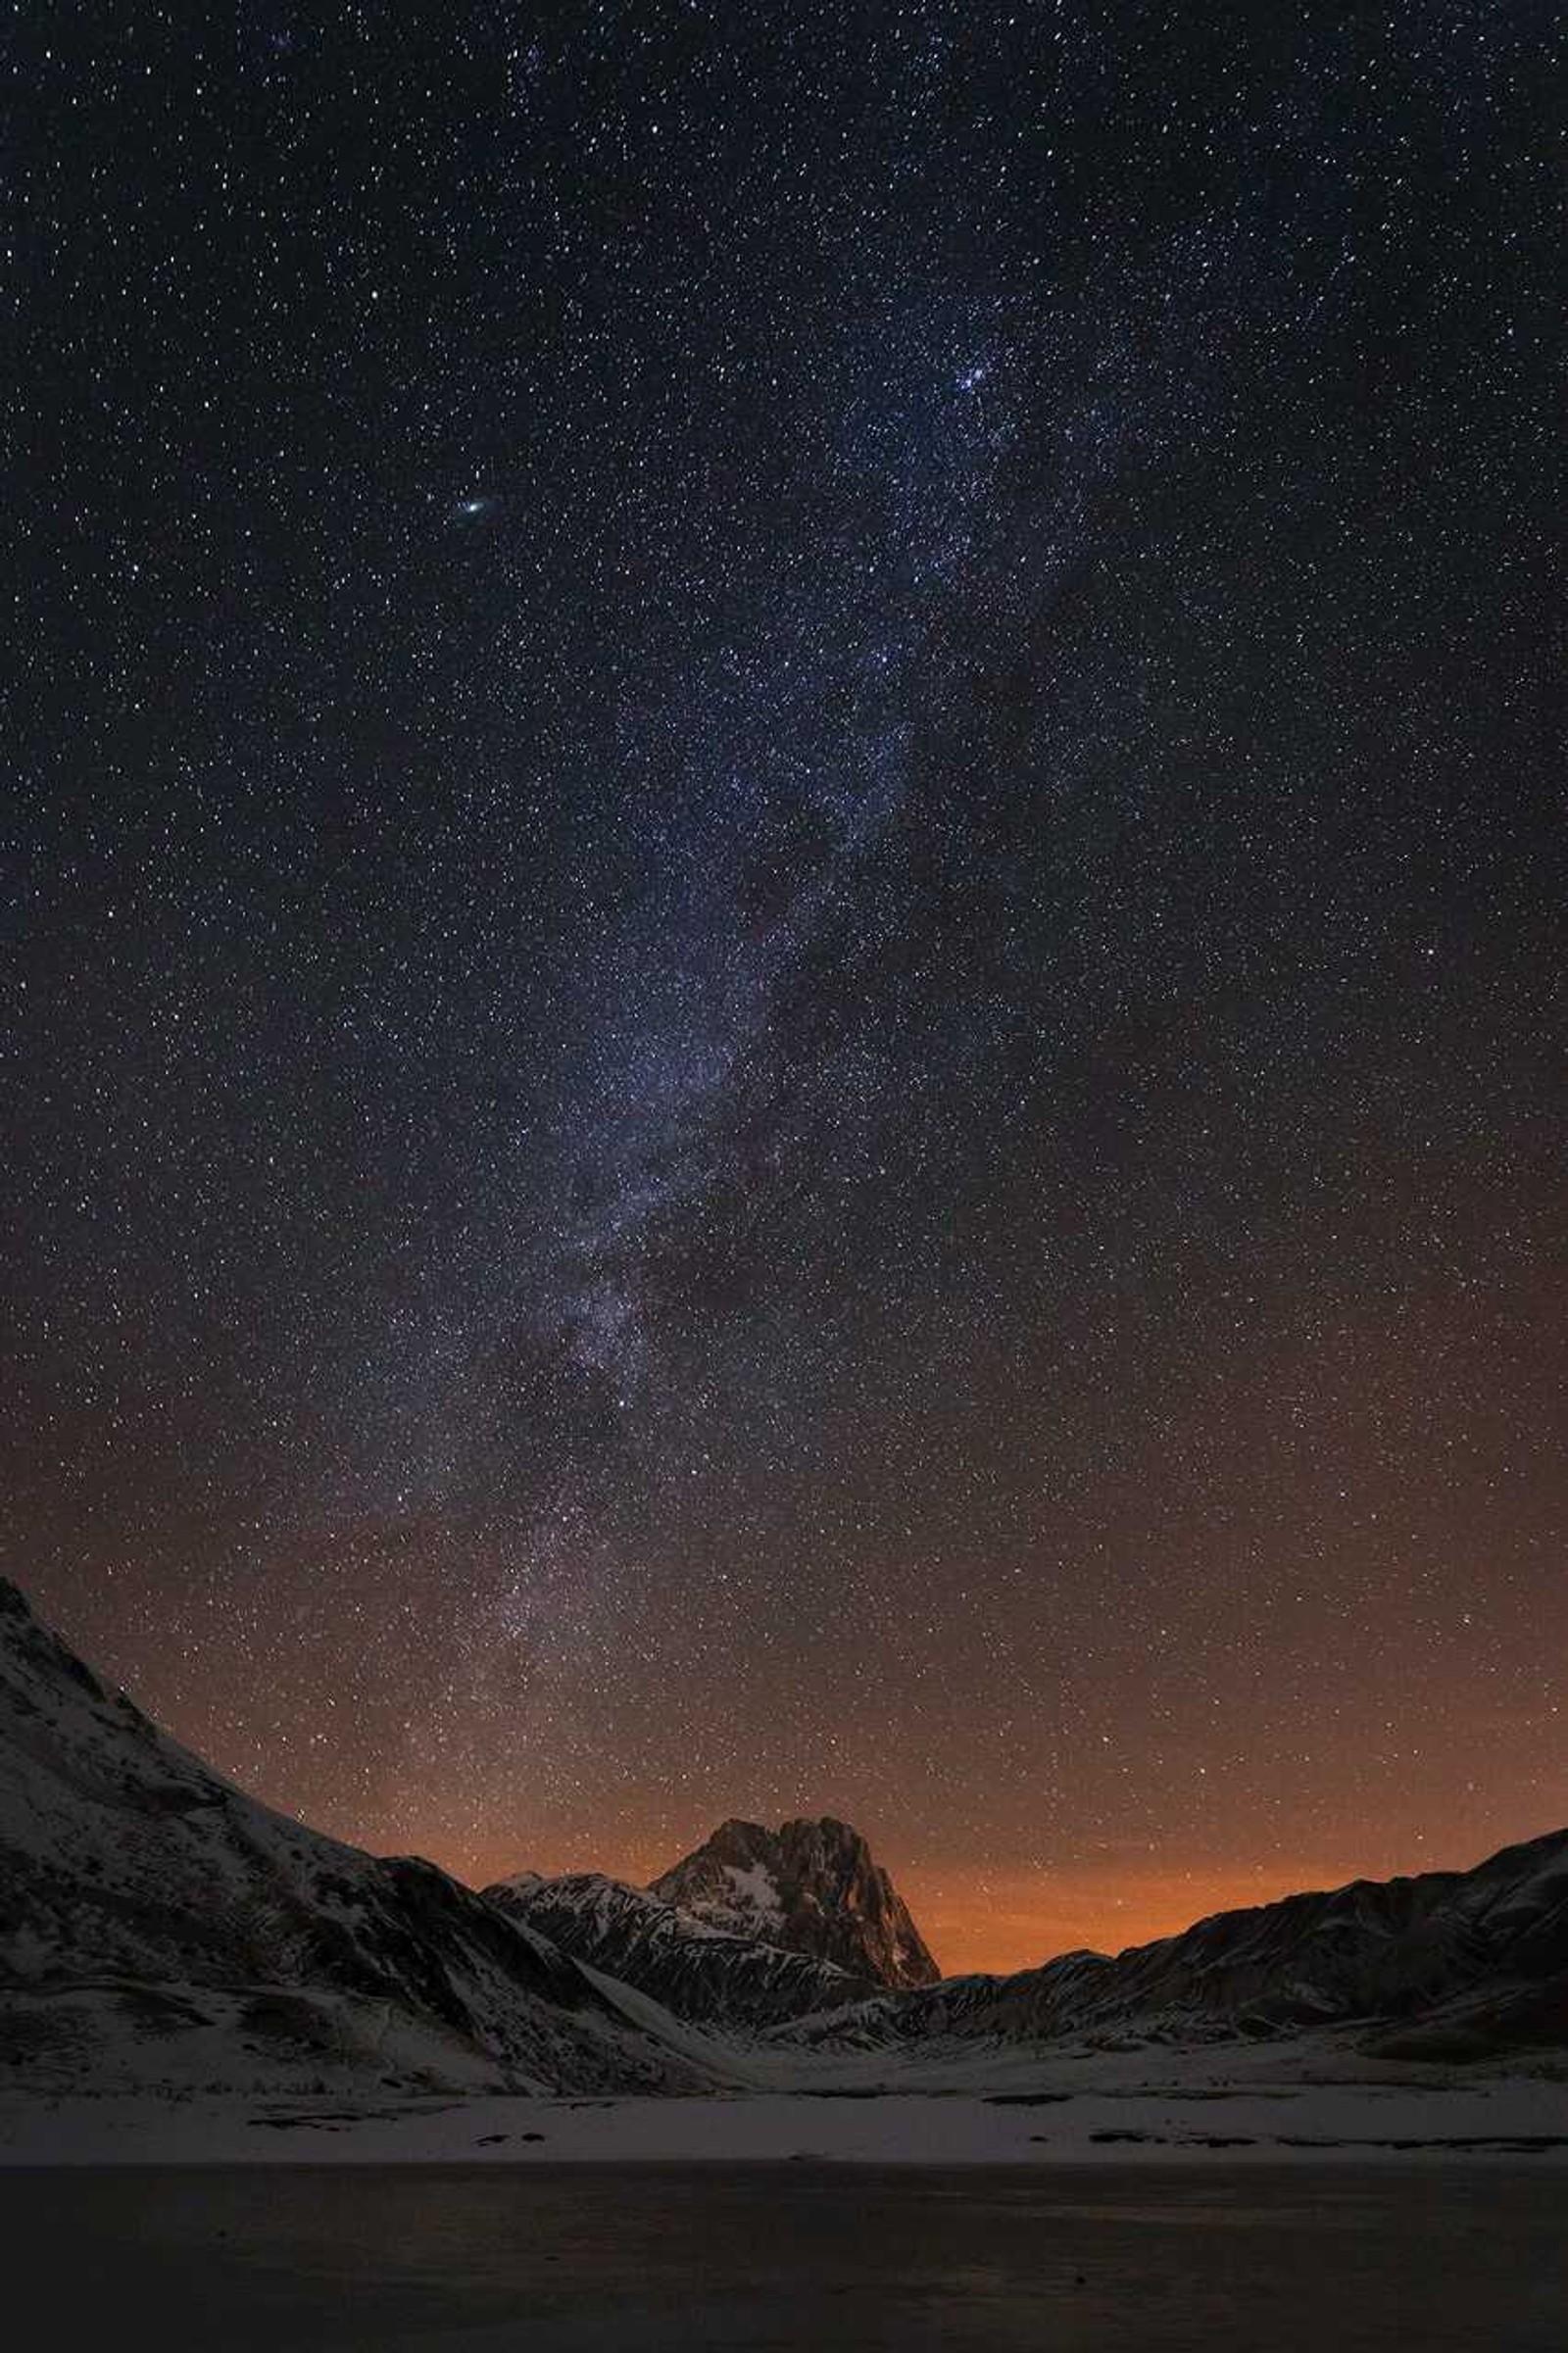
(787, 985)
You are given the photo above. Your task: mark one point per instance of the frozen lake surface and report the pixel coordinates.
(1205, 2257)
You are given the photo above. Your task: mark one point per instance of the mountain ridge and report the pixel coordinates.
(153, 1913)
(700, 1972)
(156, 1918)
(1446, 1962)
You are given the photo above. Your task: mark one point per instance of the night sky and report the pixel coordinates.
(782, 928)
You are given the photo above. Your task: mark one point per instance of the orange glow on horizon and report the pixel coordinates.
(1002, 1920)
(1010, 1917)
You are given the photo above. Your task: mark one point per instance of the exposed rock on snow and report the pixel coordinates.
(811, 1887)
(700, 1971)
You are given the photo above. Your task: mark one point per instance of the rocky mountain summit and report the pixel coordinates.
(809, 1886)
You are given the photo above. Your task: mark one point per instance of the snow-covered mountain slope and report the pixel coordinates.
(155, 1925)
(160, 1928)
(700, 1972)
(809, 1886)
(1446, 1965)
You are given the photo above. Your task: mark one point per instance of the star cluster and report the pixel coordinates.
(782, 954)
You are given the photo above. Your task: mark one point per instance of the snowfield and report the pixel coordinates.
(1307, 2102)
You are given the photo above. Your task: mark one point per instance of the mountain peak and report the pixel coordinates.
(812, 1887)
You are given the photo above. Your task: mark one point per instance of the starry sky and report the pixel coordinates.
(781, 948)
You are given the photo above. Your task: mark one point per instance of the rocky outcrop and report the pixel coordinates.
(700, 1972)
(809, 1886)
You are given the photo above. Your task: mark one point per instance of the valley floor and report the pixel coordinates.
(1061, 2259)
(1310, 2100)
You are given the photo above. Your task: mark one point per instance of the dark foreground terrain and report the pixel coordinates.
(1058, 2260)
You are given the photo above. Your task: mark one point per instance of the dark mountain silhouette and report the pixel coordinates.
(157, 1925)
(1449, 1964)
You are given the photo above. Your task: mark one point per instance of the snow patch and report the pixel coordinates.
(755, 1889)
